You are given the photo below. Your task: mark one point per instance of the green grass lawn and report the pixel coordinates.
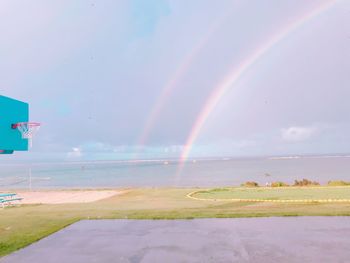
(278, 193)
(23, 225)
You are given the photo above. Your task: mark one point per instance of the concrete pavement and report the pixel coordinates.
(288, 239)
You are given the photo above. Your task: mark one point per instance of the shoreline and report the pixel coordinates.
(90, 195)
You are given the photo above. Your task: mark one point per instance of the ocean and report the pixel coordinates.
(162, 173)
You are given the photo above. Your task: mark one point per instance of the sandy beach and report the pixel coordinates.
(66, 196)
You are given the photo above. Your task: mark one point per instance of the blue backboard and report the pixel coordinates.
(12, 111)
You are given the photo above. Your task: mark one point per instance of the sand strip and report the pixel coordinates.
(65, 197)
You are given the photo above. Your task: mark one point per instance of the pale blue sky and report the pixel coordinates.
(92, 71)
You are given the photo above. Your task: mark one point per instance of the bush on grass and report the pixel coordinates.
(338, 183)
(305, 182)
(279, 184)
(250, 184)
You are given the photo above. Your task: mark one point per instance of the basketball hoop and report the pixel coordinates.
(27, 129)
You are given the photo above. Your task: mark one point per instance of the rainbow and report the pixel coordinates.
(235, 74)
(173, 81)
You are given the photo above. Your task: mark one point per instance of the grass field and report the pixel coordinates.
(278, 193)
(22, 225)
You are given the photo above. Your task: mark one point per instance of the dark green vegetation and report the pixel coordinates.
(250, 184)
(279, 184)
(22, 225)
(338, 183)
(304, 182)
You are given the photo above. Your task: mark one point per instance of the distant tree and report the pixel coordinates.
(338, 183)
(305, 182)
(250, 184)
(279, 184)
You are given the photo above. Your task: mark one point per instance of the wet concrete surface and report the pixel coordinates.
(288, 239)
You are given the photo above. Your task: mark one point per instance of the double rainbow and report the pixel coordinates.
(236, 72)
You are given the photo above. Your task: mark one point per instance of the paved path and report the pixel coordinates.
(289, 239)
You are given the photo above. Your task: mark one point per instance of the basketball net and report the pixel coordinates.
(28, 130)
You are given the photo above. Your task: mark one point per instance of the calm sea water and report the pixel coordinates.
(202, 173)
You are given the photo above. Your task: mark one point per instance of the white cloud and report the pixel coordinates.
(76, 152)
(297, 133)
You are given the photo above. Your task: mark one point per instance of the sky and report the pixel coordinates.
(129, 79)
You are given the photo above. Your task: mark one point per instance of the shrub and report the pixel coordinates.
(250, 184)
(278, 184)
(338, 183)
(305, 182)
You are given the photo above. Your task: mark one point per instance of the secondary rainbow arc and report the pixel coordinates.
(172, 83)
